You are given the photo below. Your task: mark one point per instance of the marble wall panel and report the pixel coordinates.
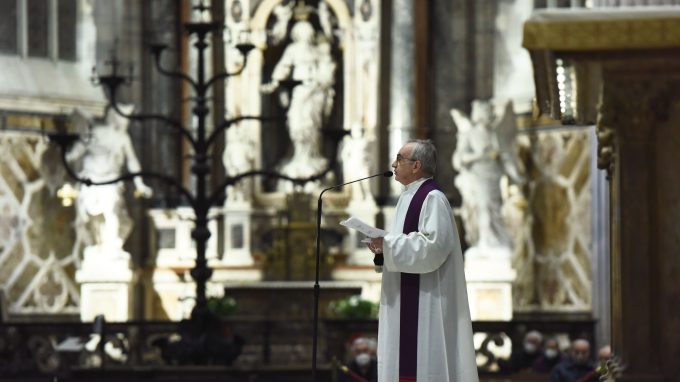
(38, 254)
(553, 240)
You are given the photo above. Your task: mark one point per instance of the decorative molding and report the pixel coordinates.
(561, 32)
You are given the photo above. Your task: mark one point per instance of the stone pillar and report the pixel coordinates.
(512, 77)
(640, 148)
(402, 79)
(600, 261)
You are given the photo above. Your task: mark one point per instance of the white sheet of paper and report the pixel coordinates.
(363, 227)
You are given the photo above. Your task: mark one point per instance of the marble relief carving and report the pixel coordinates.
(553, 246)
(39, 250)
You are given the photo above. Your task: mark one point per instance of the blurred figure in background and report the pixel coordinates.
(576, 368)
(550, 357)
(362, 365)
(524, 358)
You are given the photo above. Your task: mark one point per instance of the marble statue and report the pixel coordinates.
(282, 13)
(104, 156)
(311, 101)
(484, 154)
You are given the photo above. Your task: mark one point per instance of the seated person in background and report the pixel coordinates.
(523, 359)
(603, 355)
(550, 357)
(576, 368)
(363, 365)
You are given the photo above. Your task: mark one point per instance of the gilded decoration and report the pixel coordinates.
(602, 33)
(605, 148)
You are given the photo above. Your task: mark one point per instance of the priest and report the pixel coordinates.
(424, 332)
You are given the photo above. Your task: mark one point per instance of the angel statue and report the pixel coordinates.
(101, 208)
(484, 153)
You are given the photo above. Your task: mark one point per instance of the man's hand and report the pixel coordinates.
(376, 245)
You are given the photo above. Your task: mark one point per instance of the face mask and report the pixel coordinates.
(550, 353)
(363, 359)
(529, 347)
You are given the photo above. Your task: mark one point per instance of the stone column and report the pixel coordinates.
(512, 77)
(600, 261)
(402, 79)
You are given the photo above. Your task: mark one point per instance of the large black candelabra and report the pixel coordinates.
(200, 140)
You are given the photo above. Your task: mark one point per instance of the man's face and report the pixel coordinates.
(580, 353)
(406, 170)
(361, 348)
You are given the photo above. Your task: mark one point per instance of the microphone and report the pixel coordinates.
(386, 174)
(315, 333)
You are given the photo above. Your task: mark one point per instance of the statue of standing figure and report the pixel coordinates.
(311, 101)
(484, 153)
(104, 156)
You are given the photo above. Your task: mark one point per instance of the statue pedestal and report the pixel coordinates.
(106, 284)
(489, 286)
(365, 210)
(237, 229)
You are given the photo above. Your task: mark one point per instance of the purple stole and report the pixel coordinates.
(410, 289)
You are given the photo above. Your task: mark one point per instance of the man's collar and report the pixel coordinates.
(415, 184)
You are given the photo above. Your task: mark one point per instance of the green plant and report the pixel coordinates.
(221, 306)
(353, 307)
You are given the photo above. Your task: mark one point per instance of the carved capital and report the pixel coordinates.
(629, 109)
(605, 148)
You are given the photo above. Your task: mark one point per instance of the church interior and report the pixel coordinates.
(174, 198)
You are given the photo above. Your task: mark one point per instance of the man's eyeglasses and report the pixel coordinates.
(401, 159)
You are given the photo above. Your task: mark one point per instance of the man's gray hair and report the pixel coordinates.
(426, 153)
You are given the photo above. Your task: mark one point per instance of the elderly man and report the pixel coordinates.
(524, 358)
(424, 332)
(362, 365)
(577, 368)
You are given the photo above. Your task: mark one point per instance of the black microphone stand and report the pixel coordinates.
(315, 334)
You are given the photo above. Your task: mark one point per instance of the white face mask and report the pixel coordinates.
(363, 359)
(529, 347)
(550, 353)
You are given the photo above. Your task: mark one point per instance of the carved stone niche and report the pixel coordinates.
(254, 207)
(352, 36)
(625, 68)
